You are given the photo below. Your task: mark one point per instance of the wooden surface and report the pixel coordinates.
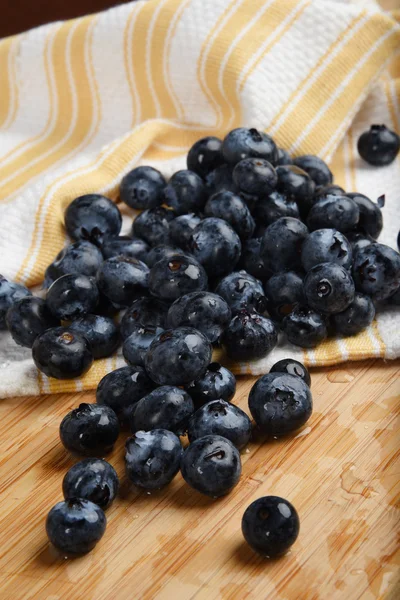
(341, 472)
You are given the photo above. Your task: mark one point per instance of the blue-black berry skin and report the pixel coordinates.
(217, 383)
(231, 208)
(329, 190)
(101, 333)
(186, 192)
(270, 525)
(284, 158)
(326, 245)
(371, 221)
(334, 212)
(249, 336)
(398, 241)
(216, 246)
(283, 291)
(177, 357)
(296, 185)
(160, 252)
(181, 229)
(166, 407)
(152, 225)
(93, 479)
(145, 312)
(255, 176)
(10, 292)
(205, 311)
(376, 271)
(292, 367)
(142, 188)
(356, 317)
(329, 288)
(304, 327)
(125, 246)
(92, 217)
(90, 429)
(273, 207)
(152, 458)
(75, 526)
(379, 146)
(317, 169)
(80, 257)
(122, 388)
(280, 403)
(122, 280)
(242, 292)
(27, 318)
(221, 179)
(243, 143)
(72, 296)
(205, 155)
(211, 465)
(136, 345)
(281, 244)
(251, 260)
(62, 353)
(176, 276)
(219, 417)
(358, 240)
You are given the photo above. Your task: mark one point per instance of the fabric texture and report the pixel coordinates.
(84, 101)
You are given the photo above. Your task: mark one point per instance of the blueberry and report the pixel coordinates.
(394, 299)
(251, 260)
(181, 229)
(326, 245)
(125, 246)
(370, 221)
(166, 407)
(152, 458)
(122, 388)
(304, 327)
(62, 353)
(334, 212)
(283, 158)
(356, 317)
(358, 240)
(142, 188)
(376, 271)
(90, 429)
(205, 155)
(242, 291)
(329, 288)
(217, 383)
(10, 292)
(92, 217)
(186, 192)
(136, 345)
(93, 479)
(255, 176)
(221, 179)
(281, 244)
(207, 312)
(211, 465)
(173, 277)
(270, 525)
(219, 417)
(122, 280)
(379, 146)
(160, 252)
(216, 246)
(230, 207)
(152, 225)
(296, 185)
(27, 318)
(101, 333)
(244, 143)
(292, 367)
(275, 206)
(81, 257)
(145, 312)
(283, 292)
(72, 296)
(177, 357)
(280, 403)
(249, 336)
(75, 526)
(317, 169)
(329, 190)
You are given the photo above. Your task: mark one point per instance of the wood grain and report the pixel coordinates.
(341, 472)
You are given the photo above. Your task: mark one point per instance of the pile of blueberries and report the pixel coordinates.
(244, 244)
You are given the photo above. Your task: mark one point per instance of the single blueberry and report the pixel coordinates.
(304, 327)
(231, 208)
(162, 251)
(376, 271)
(292, 367)
(243, 143)
(356, 317)
(62, 353)
(205, 155)
(142, 188)
(329, 288)
(122, 280)
(282, 243)
(317, 169)
(92, 217)
(216, 246)
(220, 179)
(334, 212)
(283, 291)
(152, 225)
(72, 296)
(358, 240)
(371, 221)
(27, 318)
(136, 345)
(249, 336)
(273, 207)
(10, 292)
(251, 260)
(379, 146)
(242, 292)
(326, 245)
(166, 407)
(217, 383)
(80, 257)
(181, 229)
(329, 190)
(125, 246)
(186, 192)
(145, 312)
(284, 158)
(93, 479)
(90, 429)
(176, 276)
(296, 185)
(219, 417)
(101, 333)
(255, 176)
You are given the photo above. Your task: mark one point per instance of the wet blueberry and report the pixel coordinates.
(72, 296)
(205, 155)
(334, 212)
(273, 207)
(282, 243)
(219, 417)
(244, 143)
(166, 407)
(379, 146)
(81, 257)
(217, 383)
(186, 192)
(152, 225)
(10, 292)
(242, 291)
(62, 353)
(251, 260)
(92, 217)
(27, 318)
(356, 317)
(122, 388)
(329, 288)
(142, 188)
(292, 367)
(145, 312)
(216, 246)
(90, 429)
(231, 208)
(304, 327)
(358, 240)
(93, 479)
(329, 190)
(181, 229)
(376, 271)
(125, 246)
(370, 222)
(296, 185)
(176, 276)
(326, 245)
(249, 336)
(255, 176)
(136, 345)
(317, 169)
(122, 280)
(101, 333)
(283, 291)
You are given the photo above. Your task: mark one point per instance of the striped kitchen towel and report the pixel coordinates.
(84, 101)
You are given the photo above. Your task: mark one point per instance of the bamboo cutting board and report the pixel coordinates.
(341, 471)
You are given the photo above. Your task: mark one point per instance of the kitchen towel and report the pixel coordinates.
(84, 101)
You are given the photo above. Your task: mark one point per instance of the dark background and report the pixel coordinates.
(20, 15)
